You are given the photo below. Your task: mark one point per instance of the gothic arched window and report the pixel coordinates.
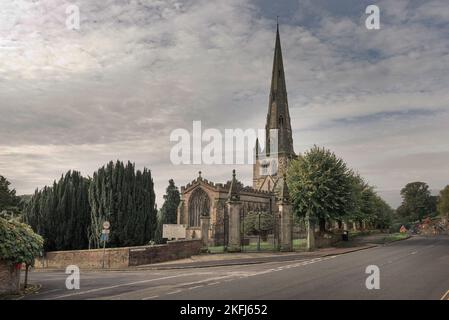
(281, 122)
(199, 205)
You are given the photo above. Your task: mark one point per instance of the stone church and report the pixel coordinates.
(204, 200)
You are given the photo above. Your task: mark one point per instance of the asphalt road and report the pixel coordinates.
(417, 268)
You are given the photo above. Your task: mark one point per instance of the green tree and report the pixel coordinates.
(443, 202)
(61, 213)
(358, 208)
(367, 206)
(321, 186)
(169, 210)
(124, 197)
(9, 202)
(259, 223)
(172, 198)
(417, 201)
(158, 232)
(18, 243)
(383, 216)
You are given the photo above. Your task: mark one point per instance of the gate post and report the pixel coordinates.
(234, 206)
(286, 218)
(205, 223)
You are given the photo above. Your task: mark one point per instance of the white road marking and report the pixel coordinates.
(149, 298)
(196, 287)
(173, 292)
(213, 283)
(233, 276)
(120, 285)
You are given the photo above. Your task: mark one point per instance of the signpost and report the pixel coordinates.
(105, 237)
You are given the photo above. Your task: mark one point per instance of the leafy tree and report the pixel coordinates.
(383, 216)
(124, 197)
(443, 202)
(367, 206)
(359, 207)
(9, 202)
(417, 202)
(259, 223)
(321, 185)
(61, 213)
(19, 244)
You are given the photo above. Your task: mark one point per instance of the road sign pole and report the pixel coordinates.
(105, 237)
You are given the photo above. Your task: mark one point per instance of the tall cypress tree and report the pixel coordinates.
(172, 198)
(168, 212)
(124, 197)
(61, 213)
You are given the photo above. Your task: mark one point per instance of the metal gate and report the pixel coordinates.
(259, 231)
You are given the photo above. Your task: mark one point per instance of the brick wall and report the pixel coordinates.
(120, 257)
(87, 259)
(173, 250)
(9, 278)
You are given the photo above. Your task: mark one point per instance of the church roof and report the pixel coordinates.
(278, 116)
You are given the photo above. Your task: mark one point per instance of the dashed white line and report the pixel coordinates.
(213, 283)
(196, 287)
(174, 292)
(120, 285)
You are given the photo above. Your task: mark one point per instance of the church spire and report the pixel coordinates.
(278, 116)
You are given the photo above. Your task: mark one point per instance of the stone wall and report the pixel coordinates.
(326, 240)
(173, 250)
(9, 278)
(116, 258)
(88, 259)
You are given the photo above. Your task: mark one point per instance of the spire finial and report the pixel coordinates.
(199, 174)
(233, 173)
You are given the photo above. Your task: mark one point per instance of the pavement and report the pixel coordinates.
(417, 268)
(229, 259)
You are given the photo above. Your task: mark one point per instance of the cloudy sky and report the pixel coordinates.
(137, 69)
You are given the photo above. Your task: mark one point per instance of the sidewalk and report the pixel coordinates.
(231, 259)
(248, 258)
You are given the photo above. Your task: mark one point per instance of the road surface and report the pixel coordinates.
(417, 268)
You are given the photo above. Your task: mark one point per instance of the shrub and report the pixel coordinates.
(18, 243)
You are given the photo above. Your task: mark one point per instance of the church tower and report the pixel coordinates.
(271, 164)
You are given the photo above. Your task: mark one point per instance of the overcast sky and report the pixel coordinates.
(136, 70)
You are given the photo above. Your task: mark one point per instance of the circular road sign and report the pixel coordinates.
(106, 225)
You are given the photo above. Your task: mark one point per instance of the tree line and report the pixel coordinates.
(70, 214)
(418, 203)
(324, 190)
